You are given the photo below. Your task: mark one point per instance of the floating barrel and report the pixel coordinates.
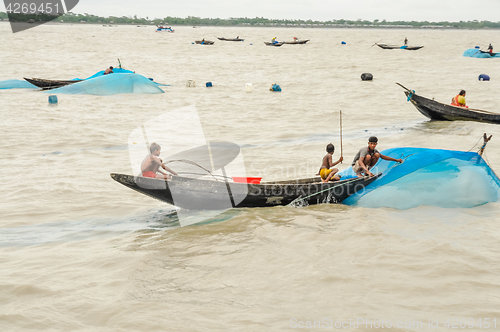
(477, 47)
(53, 99)
(209, 84)
(248, 87)
(484, 77)
(366, 77)
(343, 43)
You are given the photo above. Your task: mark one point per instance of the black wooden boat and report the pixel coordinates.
(49, 84)
(230, 39)
(274, 44)
(392, 47)
(297, 42)
(204, 42)
(489, 53)
(198, 194)
(438, 111)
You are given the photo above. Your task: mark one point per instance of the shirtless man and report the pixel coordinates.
(326, 171)
(367, 157)
(108, 71)
(151, 164)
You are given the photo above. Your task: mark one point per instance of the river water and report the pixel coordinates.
(79, 252)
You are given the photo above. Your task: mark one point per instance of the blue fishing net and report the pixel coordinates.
(111, 84)
(475, 53)
(16, 84)
(443, 178)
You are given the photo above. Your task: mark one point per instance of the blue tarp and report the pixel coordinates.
(16, 84)
(443, 178)
(476, 53)
(111, 84)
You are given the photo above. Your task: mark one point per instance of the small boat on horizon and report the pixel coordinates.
(274, 44)
(393, 47)
(164, 29)
(230, 39)
(204, 42)
(297, 41)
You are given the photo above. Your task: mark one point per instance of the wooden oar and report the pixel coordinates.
(341, 153)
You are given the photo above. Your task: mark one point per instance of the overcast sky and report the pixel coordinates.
(322, 10)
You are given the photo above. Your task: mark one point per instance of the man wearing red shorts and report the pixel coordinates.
(152, 162)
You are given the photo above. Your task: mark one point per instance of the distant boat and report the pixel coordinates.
(164, 29)
(204, 42)
(230, 39)
(438, 111)
(297, 41)
(393, 47)
(274, 44)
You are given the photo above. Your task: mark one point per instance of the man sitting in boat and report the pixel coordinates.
(108, 71)
(326, 171)
(274, 41)
(152, 162)
(366, 158)
(459, 100)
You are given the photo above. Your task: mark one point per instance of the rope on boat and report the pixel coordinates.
(319, 192)
(194, 164)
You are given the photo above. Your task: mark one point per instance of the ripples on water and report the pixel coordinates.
(81, 252)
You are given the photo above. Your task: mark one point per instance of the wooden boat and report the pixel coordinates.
(204, 42)
(392, 47)
(438, 111)
(198, 194)
(49, 84)
(275, 44)
(164, 29)
(489, 53)
(230, 39)
(297, 42)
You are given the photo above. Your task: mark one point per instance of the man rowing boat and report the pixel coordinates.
(152, 162)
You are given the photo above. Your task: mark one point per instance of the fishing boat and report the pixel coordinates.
(230, 39)
(404, 47)
(435, 110)
(204, 42)
(164, 29)
(274, 44)
(199, 194)
(297, 41)
(49, 84)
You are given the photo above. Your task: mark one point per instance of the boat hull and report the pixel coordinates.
(275, 44)
(393, 47)
(438, 111)
(196, 194)
(49, 84)
(297, 42)
(204, 42)
(228, 39)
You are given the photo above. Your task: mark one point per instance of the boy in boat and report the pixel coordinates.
(108, 71)
(326, 171)
(152, 162)
(367, 157)
(459, 100)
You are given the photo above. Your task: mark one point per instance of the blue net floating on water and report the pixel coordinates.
(16, 84)
(442, 178)
(475, 53)
(111, 84)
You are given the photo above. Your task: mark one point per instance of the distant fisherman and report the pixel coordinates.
(490, 49)
(274, 40)
(366, 158)
(406, 41)
(152, 162)
(108, 71)
(459, 100)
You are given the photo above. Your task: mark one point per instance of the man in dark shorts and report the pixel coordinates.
(367, 157)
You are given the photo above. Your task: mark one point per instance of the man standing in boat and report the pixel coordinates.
(152, 162)
(406, 41)
(367, 157)
(490, 48)
(459, 100)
